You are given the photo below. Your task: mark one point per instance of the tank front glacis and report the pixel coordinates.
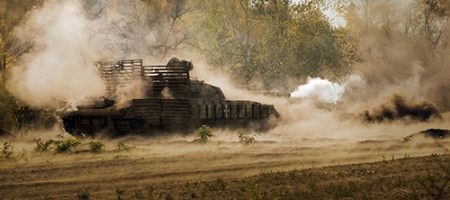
(170, 102)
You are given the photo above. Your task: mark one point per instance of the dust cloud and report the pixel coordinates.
(399, 109)
(59, 67)
(166, 93)
(399, 57)
(72, 35)
(312, 118)
(126, 92)
(68, 37)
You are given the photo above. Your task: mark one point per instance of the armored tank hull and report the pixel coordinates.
(172, 102)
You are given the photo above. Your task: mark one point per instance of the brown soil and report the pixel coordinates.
(155, 163)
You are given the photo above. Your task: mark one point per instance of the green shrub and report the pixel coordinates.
(96, 146)
(43, 146)
(204, 133)
(66, 145)
(7, 150)
(245, 138)
(121, 146)
(83, 195)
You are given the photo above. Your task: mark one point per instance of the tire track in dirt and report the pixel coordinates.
(63, 176)
(137, 172)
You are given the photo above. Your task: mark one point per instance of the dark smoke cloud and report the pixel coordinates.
(399, 109)
(436, 133)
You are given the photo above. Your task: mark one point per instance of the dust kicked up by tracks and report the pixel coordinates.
(173, 159)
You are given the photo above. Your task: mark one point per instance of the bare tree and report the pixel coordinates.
(435, 14)
(12, 12)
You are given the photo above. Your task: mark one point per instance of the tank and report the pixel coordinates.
(169, 101)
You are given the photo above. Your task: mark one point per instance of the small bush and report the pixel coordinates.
(96, 146)
(7, 150)
(122, 147)
(43, 146)
(204, 133)
(66, 145)
(83, 195)
(245, 138)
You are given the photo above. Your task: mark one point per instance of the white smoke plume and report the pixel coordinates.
(324, 90)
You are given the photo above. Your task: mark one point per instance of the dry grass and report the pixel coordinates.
(407, 178)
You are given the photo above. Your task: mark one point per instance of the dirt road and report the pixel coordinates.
(155, 162)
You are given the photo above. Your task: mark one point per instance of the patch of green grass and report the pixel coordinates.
(83, 195)
(245, 138)
(7, 150)
(43, 146)
(67, 145)
(96, 146)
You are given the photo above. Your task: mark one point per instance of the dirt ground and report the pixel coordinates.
(405, 178)
(177, 160)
